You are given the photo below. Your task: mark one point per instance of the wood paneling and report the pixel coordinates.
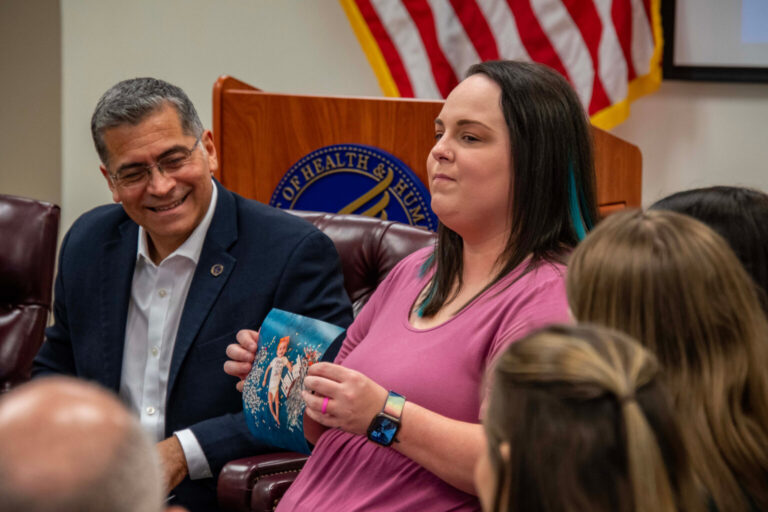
(618, 169)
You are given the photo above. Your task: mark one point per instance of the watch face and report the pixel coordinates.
(383, 430)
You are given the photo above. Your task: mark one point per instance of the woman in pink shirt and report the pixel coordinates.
(512, 182)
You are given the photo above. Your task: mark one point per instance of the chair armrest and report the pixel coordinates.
(257, 483)
(269, 490)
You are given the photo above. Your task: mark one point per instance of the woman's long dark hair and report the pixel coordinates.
(740, 215)
(553, 187)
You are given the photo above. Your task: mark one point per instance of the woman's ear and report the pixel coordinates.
(504, 450)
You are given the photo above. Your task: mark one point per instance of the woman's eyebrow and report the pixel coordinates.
(464, 122)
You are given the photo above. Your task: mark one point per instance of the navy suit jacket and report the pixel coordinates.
(269, 259)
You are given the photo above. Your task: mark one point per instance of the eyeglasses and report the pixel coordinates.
(138, 175)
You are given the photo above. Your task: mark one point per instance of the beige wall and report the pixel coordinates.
(696, 134)
(691, 134)
(30, 99)
(295, 46)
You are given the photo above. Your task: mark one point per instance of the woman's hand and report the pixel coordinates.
(241, 355)
(448, 448)
(353, 398)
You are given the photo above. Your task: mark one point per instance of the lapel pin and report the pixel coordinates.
(217, 269)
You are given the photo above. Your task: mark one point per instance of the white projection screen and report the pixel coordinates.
(723, 40)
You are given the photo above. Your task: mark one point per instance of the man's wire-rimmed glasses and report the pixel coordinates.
(137, 175)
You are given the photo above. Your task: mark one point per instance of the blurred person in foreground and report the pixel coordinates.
(70, 446)
(578, 419)
(673, 284)
(738, 214)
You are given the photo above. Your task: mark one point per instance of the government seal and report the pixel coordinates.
(354, 178)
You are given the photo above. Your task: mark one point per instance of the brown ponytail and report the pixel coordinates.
(588, 425)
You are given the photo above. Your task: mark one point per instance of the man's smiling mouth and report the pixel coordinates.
(168, 207)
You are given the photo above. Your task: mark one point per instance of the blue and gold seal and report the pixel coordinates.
(353, 178)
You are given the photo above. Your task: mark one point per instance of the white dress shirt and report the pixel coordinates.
(158, 294)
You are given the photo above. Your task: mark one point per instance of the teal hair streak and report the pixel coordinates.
(428, 298)
(581, 222)
(425, 303)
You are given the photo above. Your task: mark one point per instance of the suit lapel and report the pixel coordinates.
(212, 273)
(117, 268)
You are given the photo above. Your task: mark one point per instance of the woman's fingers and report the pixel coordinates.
(330, 371)
(321, 385)
(237, 353)
(237, 369)
(242, 355)
(321, 410)
(327, 419)
(315, 401)
(350, 398)
(248, 339)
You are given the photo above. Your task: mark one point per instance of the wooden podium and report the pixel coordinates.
(260, 135)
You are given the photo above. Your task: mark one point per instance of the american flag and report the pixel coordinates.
(609, 50)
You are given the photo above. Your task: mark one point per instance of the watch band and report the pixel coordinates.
(394, 405)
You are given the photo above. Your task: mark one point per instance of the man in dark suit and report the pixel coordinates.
(148, 295)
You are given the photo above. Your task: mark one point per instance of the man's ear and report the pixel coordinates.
(112, 188)
(210, 150)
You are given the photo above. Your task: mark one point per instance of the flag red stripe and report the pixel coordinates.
(387, 47)
(533, 37)
(587, 19)
(424, 39)
(621, 14)
(477, 28)
(424, 20)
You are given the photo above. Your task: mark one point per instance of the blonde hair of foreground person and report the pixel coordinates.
(578, 420)
(674, 284)
(70, 446)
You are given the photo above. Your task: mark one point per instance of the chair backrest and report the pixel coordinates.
(28, 235)
(368, 247)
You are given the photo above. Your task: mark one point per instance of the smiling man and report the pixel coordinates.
(150, 292)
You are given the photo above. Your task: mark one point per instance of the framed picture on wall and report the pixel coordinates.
(715, 40)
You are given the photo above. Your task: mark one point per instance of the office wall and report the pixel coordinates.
(30, 99)
(293, 46)
(691, 134)
(696, 134)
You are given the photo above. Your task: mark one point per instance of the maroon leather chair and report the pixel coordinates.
(28, 235)
(369, 248)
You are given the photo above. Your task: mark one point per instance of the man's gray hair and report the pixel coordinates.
(132, 101)
(131, 481)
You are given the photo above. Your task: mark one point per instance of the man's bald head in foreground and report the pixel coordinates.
(66, 445)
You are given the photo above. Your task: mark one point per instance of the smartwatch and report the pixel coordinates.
(386, 424)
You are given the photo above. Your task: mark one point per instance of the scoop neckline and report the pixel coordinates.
(420, 288)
